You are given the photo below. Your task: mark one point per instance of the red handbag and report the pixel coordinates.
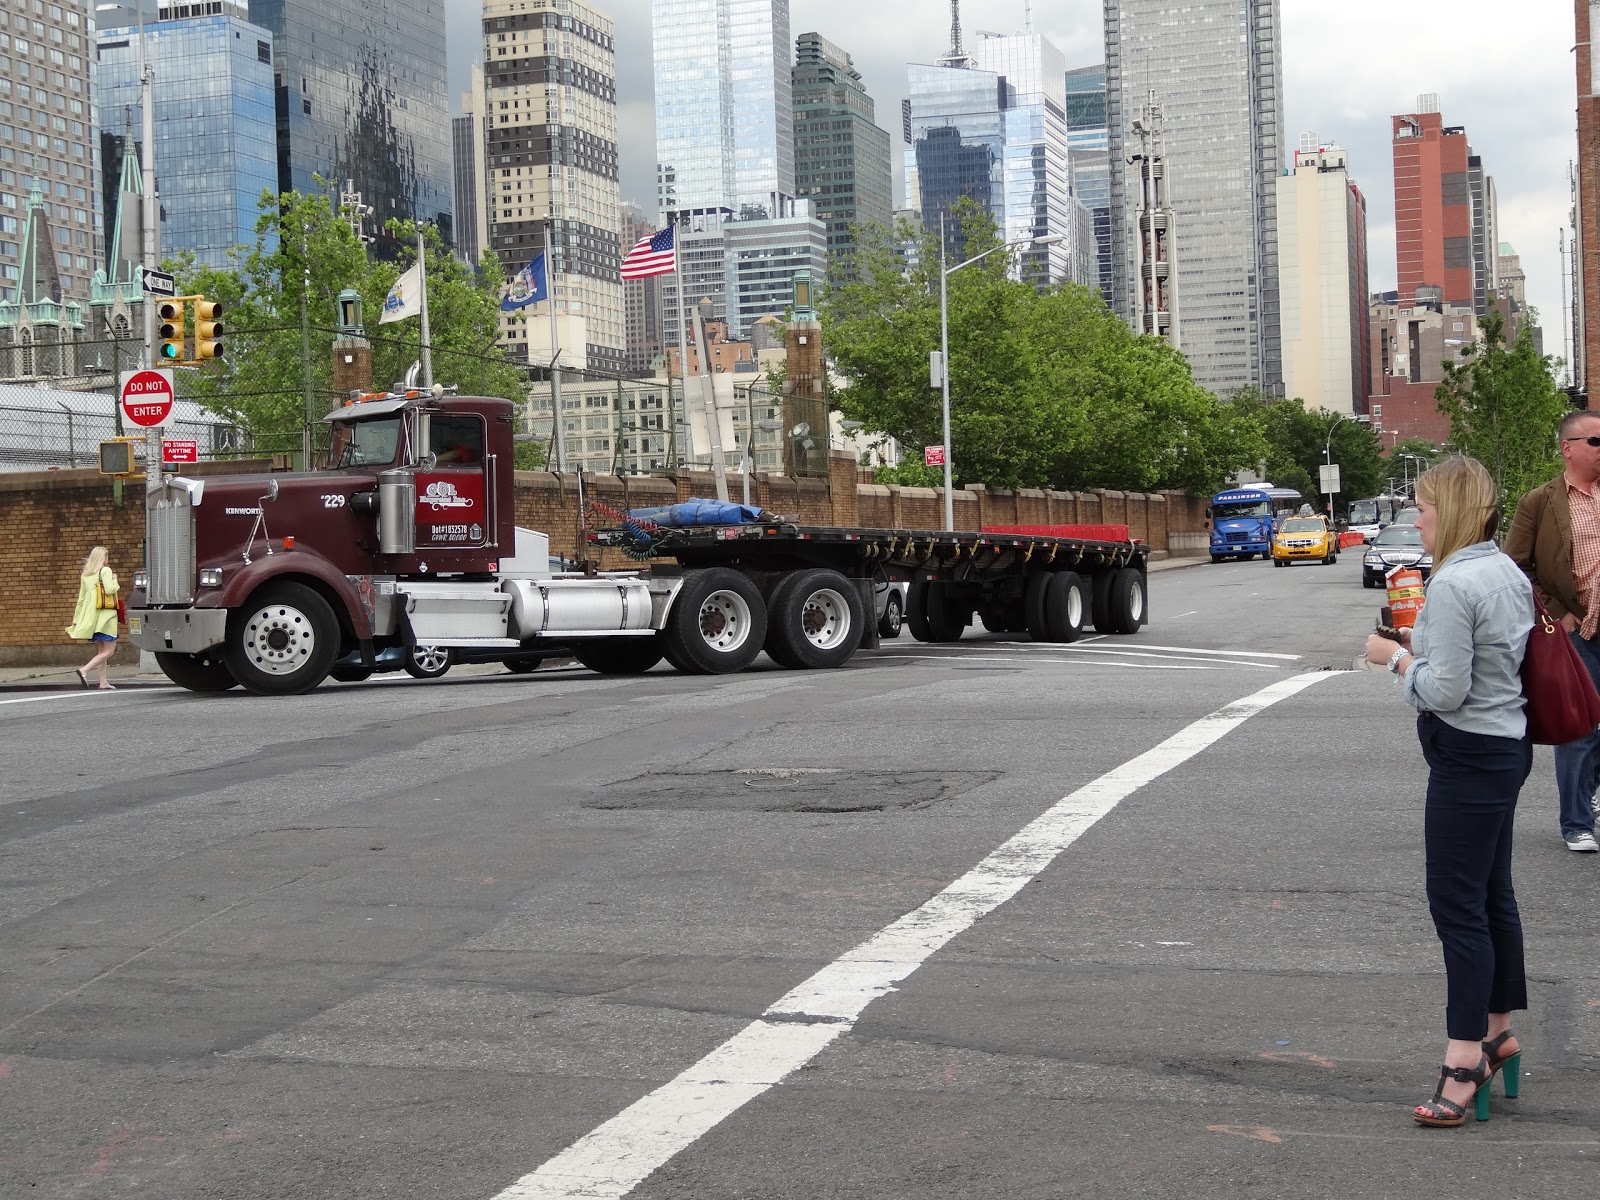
(1561, 702)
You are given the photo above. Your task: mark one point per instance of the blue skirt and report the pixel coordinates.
(104, 637)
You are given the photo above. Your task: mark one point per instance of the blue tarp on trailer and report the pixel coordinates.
(698, 512)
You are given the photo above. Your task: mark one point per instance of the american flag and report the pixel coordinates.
(650, 256)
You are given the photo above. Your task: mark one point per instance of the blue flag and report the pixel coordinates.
(527, 286)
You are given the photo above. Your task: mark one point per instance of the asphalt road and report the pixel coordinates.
(1140, 917)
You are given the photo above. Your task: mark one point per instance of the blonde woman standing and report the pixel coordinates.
(1460, 668)
(92, 621)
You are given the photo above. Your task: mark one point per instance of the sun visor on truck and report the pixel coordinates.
(371, 408)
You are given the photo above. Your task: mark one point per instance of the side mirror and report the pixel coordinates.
(272, 490)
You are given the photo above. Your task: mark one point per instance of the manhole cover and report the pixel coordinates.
(789, 789)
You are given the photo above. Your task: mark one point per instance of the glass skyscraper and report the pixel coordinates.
(214, 124)
(360, 95)
(841, 156)
(1090, 158)
(1213, 67)
(724, 107)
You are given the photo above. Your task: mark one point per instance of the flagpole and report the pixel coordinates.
(555, 352)
(422, 279)
(683, 343)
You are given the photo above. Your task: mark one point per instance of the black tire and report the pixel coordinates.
(204, 672)
(717, 623)
(893, 616)
(917, 612)
(283, 642)
(1100, 587)
(1280, 562)
(1265, 554)
(1035, 594)
(522, 666)
(1127, 601)
(995, 618)
(428, 662)
(1066, 607)
(351, 674)
(815, 622)
(1216, 558)
(619, 655)
(947, 620)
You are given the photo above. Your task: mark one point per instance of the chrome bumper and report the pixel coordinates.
(177, 630)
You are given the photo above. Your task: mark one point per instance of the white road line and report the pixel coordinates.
(77, 695)
(1208, 650)
(616, 1157)
(1126, 648)
(1171, 664)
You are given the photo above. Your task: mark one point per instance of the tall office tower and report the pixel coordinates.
(1089, 161)
(550, 88)
(1437, 218)
(360, 93)
(210, 173)
(48, 141)
(724, 107)
(989, 123)
(841, 157)
(1213, 66)
(1485, 233)
(1586, 251)
(1322, 277)
(641, 298)
(469, 173)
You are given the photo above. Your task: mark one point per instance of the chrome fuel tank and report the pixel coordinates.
(546, 607)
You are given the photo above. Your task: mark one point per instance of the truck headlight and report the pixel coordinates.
(211, 577)
(141, 579)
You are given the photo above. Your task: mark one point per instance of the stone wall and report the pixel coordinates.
(50, 519)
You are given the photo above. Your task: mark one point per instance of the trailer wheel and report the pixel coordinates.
(1100, 584)
(204, 672)
(427, 662)
(521, 666)
(284, 642)
(1127, 601)
(619, 655)
(1066, 606)
(716, 624)
(816, 621)
(947, 619)
(893, 616)
(917, 612)
(1035, 606)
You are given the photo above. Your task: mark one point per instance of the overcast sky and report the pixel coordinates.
(1504, 71)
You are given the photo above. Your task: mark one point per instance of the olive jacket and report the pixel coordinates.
(88, 618)
(1540, 542)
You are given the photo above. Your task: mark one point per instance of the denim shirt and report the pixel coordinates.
(1468, 643)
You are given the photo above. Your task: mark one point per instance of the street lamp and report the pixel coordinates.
(846, 428)
(944, 341)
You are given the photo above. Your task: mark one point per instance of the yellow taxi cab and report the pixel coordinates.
(1305, 539)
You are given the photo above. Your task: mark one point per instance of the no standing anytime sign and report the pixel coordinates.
(147, 398)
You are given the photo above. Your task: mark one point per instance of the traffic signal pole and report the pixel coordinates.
(147, 221)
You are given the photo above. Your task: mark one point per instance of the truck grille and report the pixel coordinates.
(170, 552)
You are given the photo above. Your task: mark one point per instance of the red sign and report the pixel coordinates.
(147, 398)
(933, 456)
(450, 509)
(179, 450)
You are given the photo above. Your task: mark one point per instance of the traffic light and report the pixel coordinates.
(171, 331)
(116, 457)
(207, 330)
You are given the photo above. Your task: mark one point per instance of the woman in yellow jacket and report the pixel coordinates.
(91, 622)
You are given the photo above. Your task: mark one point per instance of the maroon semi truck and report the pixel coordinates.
(408, 539)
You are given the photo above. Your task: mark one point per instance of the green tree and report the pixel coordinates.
(1300, 442)
(1047, 386)
(1504, 406)
(911, 473)
(305, 252)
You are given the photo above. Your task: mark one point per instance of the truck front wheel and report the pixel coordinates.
(197, 672)
(284, 643)
(816, 621)
(717, 623)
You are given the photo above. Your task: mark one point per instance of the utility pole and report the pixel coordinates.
(148, 212)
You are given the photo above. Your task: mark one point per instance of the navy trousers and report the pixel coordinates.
(1473, 781)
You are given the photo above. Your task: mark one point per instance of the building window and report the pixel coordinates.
(264, 52)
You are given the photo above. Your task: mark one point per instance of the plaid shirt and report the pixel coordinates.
(1585, 506)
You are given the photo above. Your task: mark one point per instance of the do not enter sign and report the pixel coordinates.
(147, 398)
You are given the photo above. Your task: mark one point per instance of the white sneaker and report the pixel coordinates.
(1583, 842)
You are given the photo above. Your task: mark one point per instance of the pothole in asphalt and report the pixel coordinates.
(789, 789)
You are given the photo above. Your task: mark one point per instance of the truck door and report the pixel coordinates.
(451, 501)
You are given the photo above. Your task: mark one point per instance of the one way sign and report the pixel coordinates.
(158, 283)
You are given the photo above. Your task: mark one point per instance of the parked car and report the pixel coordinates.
(1305, 539)
(1397, 546)
(890, 606)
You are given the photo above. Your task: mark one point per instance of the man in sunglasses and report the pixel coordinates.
(1555, 538)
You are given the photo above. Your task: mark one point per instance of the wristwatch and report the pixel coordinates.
(1394, 660)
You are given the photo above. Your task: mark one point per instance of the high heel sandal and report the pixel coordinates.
(1447, 1114)
(1510, 1064)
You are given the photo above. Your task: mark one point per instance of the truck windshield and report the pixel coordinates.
(1364, 512)
(359, 442)
(1253, 508)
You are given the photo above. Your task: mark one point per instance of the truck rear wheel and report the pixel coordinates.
(198, 672)
(917, 612)
(284, 642)
(717, 623)
(816, 621)
(1066, 606)
(618, 656)
(1127, 601)
(947, 619)
(1100, 584)
(1036, 607)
